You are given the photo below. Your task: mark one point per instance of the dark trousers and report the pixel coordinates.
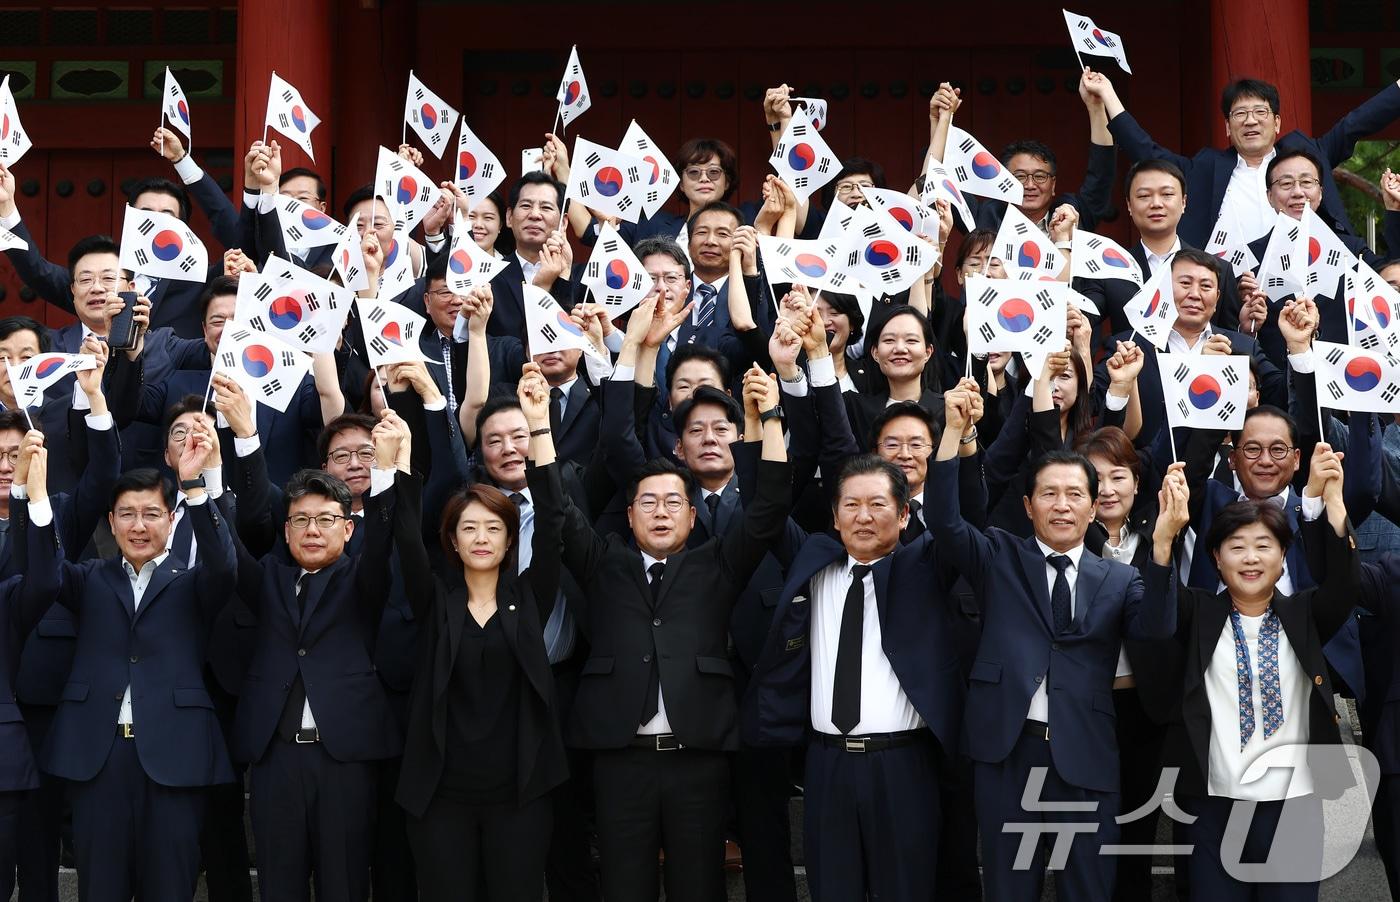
(998, 788)
(223, 845)
(1139, 768)
(958, 879)
(569, 872)
(133, 836)
(392, 874)
(312, 814)
(459, 847)
(1385, 818)
(10, 805)
(871, 822)
(40, 820)
(762, 787)
(1210, 880)
(648, 801)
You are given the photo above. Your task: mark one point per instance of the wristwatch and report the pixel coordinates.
(775, 126)
(196, 483)
(773, 413)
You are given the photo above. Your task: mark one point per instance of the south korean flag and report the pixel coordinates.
(296, 306)
(1152, 311)
(574, 99)
(467, 264)
(397, 275)
(1373, 307)
(289, 115)
(662, 179)
(1025, 251)
(161, 246)
(607, 181)
(802, 158)
(1012, 315)
(14, 140)
(1354, 379)
(1091, 39)
(478, 170)
(175, 107)
(348, 258)
(305, 227)
(1228, 241)
(1095, 257)
(939, 185)
(614, 275)
(263, 365)
(549, 328)
(977, 169)
(817, 263)
(405, 187)
(30, 379)
(1328, 258)
(1284, 269)
(391, 331)
(910, 213)
(1205, 391)
(430, 117)
(882, 255)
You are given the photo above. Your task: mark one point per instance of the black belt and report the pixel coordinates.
(125, 731)
(306, 736)
(1038, 729)
(659, 742)
(871, 742)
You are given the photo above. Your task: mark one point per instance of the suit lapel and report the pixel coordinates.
(881, 572)
(1093, 570)
(574, 403)
(165, 573)
(116, 577)
(1033, 567)
(319, 586)
(1210, 621)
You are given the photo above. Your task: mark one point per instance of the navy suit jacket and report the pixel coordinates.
(1020, 649)
(508, 310)
(23, 600)
(158, 649)
(1208, 172)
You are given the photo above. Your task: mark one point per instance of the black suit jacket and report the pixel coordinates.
(23, 600)
(508, 311)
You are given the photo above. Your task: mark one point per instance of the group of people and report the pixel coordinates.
(491, 623)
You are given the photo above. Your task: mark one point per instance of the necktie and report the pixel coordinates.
(290, 721)
(845, 686)
(524, 545)
(1270, 692)
(447, 369)
(1059, 596)
(712, 502)
(183, 536)
(556, 410)
(705, 311)
(915, 527)
(653, 696)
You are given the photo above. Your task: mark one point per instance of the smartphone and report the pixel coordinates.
(122, 335)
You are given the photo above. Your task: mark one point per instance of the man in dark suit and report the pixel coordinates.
(313, 718)
(1252, 125)
(1040, 699)
(656, 699)
(711, 240)
(135, 734)
(1196, 293)
(444, 342)
(536, 201)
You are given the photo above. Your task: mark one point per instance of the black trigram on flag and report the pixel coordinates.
(824, 165)
(1369, 341)
(987, 297)
(1275, 281)
(227, 360)
(610, 246)
(1334, 355)
(174, 90)
(187, 264)
(1005, 184)
(872, 231)
(1020, 228)
(312, 303)
(272, 387)
(145, 227)
(960, 172)
(633, 176)
(1182, 409)
(784, 248)
(1221, 236)
(1093, 243)
(548, 333)
(1092, 266)
(308, 334)
(376, 315)
(1230, 376)
(612, 300)
(283, 122)
(1181, 373)
(1391, 390)
(436, 139)
(1334, 389)
(294, 233)
(967, 145)
(1334, 257)
(799, 129)
(987, 332)
(1225, 411)
(1042, 335)
(1235, 257)
(288, 96)
(486, 169)
(141, 258)
(378, 345)
(913, 255)
(652, 195)
(1088, 43)
(593, 269)
(417, 93)
(593, 159)
(289, 358)
(351, 273)
(396, 164)
(889, 276)
(257, 322)
(582, 188)
(624, 205)
(1045, 299)
(800, 182)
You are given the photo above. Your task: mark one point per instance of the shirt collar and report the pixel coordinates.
(852, 562)
(648, 560)
(152, 564)
(1073, 554)
(1161, 258)
(1279, 501)
(1263, 164)
(717, 284)
(529, 268)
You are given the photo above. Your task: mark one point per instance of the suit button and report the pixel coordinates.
(646, 659)
(656, 622)
(1054, 646)
(301, 652)
(134, 659)
(1039, 677)
(117, 697)
(1318, 679)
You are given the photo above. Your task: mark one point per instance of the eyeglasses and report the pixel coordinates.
(442, 294)
(846, 189)
(107, 280)
(364, 453)
(915, 445)
(647, 503)
(11, 457)
(323, 521)
(1040, 176)
(1253, 451)
(1258, 112)
(1288, 183)
(695, 174)
(669, 278)
(129, 517)
(179, 434)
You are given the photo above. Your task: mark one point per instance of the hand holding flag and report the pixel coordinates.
(614, 275)
(574, 99)
(159, 245)
(176, 108)
(802, 158)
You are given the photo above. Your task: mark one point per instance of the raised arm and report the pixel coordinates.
(741, 550)
(476, 307)
(217, 567)
(546, 491)
(34, 543)
(1125, 130)
(50, 281)
(393, 452)
(959, 543)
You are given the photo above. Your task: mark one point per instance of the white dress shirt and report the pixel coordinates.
(884, 707)
(1040, 702)
(1177, 343)
(1155, 261)
(1250, 197)
(530, 269)
(660, 723)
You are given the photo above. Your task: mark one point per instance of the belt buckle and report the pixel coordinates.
(315, 737)
(662, 741)
(127, 732)
(855, 745)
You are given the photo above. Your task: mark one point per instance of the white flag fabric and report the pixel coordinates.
(391, 331)
(1283, 271)
(478, 169)
(1096, 257)
(467, 264)
(1012, 315)
(1373, 306)
(548, 326)
(30, 379)
(10, 241)
(1328, 258)
(816, 110)
(349, 259)
(408, 190)
(14, 140)
(263, 365)
(289, 115)
(1228, 240)
(160, 245)
(1205, 391)
(430, 117)
(614, 274)
(397, 275)
(296, 306)
(574, 99)
(1152, 311)
(882, 255)
(815, 263)
(177, 108)
(1089, 38)
(606, 180)
(304, 226)
(977, 169)
(802, 158)
(662, 178)
(939, 185)
(1025, 251)
(1084, 304)
(909, 212)
(1351, 378)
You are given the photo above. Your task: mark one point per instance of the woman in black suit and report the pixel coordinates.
(483, 748)
(1254, 682)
